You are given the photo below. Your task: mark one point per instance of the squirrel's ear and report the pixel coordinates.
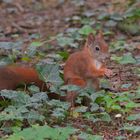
(90, 39)
(100, 34)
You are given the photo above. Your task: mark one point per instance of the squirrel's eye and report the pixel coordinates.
(97, 48)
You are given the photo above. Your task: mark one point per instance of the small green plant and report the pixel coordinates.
(37, 132)
(131, 128)
(42, 132)
(108, 101)
(125, 59)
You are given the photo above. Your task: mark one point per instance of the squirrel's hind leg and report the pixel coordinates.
(71, 96)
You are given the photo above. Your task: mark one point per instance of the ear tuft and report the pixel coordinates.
(100, 34)
(90, 39)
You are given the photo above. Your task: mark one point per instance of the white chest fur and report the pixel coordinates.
(97, 64)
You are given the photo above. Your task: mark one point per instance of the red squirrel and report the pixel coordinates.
(12, 76)
(80, 68)
(86, 66)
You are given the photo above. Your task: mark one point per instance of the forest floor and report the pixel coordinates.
(24, 22)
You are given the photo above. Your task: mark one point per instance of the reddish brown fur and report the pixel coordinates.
(12, 76)
(79, 69)
(80, 66)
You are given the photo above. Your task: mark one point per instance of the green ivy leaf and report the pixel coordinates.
(58, 113)
(33, 89)
(117, 45)
(5, 61)
(105, 117)
(39, 97)
(11, 45)
(94, 107)
(42, 132)
(116, 17)
(36, 44)
(85, 30)
(64, 54)
(50, 73)
(19, 97)
(116, 58)
(64, 41)
(116, 107)
(130, 128)
(120, 138)
(59, 104)
(70, 88)
(98, 117)
(21, 113)
(133, 117)
(81, 109)
(32, 49)
(89, 137)
(104, 83)
(131, 104)
(137, 96)
(126, 85)
(127, 59)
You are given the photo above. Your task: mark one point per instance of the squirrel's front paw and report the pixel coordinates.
(108, 72)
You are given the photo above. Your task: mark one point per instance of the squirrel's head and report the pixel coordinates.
(97, 47)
